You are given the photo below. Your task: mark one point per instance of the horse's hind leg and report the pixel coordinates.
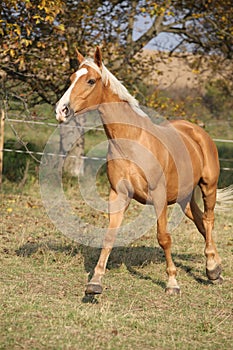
(213, 261)
(193, 212)
(205, 223)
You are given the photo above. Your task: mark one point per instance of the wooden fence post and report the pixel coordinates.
(2, 118)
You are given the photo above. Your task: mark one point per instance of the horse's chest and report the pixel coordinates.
(126, 176)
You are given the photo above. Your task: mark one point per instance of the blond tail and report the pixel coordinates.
(224, 199)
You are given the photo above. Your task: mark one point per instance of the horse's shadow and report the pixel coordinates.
(132, 257)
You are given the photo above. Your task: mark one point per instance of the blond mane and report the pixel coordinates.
(116, 86)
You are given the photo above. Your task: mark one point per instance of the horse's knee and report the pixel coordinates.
(164, 240)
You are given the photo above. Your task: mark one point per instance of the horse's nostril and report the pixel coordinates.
(65, 110)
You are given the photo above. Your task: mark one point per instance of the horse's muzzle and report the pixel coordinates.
(61, 119)
(64, 113)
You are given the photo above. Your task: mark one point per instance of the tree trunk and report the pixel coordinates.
(72, 146)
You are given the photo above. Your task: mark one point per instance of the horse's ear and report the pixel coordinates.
(98, 57)
(79, 56)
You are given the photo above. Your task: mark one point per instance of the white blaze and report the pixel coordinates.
(65, 99)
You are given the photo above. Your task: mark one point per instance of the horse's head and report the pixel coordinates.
(85, 91)
(91, 86)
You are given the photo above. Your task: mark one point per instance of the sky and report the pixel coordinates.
(164, 41)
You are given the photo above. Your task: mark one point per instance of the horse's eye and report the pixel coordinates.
(91, 81)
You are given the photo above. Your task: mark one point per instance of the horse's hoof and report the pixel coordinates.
(93, 289)
(219, 280)
(172, 291)
(215, 274)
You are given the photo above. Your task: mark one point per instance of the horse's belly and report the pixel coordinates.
(125, 176)
(142, 197)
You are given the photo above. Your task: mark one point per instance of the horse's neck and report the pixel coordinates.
(122, 122)
(118, 118)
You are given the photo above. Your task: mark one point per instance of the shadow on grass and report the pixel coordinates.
(132, 257)
(194, 273)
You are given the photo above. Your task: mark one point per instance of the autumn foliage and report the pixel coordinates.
(38, 40)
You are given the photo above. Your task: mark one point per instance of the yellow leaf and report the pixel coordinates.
(42, 5)
(12, 53)
(28, 31)
(61, 27)
(18, 31)
(49, 18)
(21, 63)
(40, 44)
(26, 42)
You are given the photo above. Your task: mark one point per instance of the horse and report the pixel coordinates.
(154, 164)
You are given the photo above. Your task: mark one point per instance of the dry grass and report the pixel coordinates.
(43, 276)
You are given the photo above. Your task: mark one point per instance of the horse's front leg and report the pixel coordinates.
(117, 206)
(164, 240)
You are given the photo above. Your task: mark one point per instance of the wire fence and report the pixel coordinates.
(53, 124)
(49, 154)
(90, 127)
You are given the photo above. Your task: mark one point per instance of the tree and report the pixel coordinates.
(38, 38)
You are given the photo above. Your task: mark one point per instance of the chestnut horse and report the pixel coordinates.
(154, 164)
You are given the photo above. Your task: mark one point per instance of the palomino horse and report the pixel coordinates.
(154, 164)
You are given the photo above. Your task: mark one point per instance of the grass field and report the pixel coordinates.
(43, 277)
